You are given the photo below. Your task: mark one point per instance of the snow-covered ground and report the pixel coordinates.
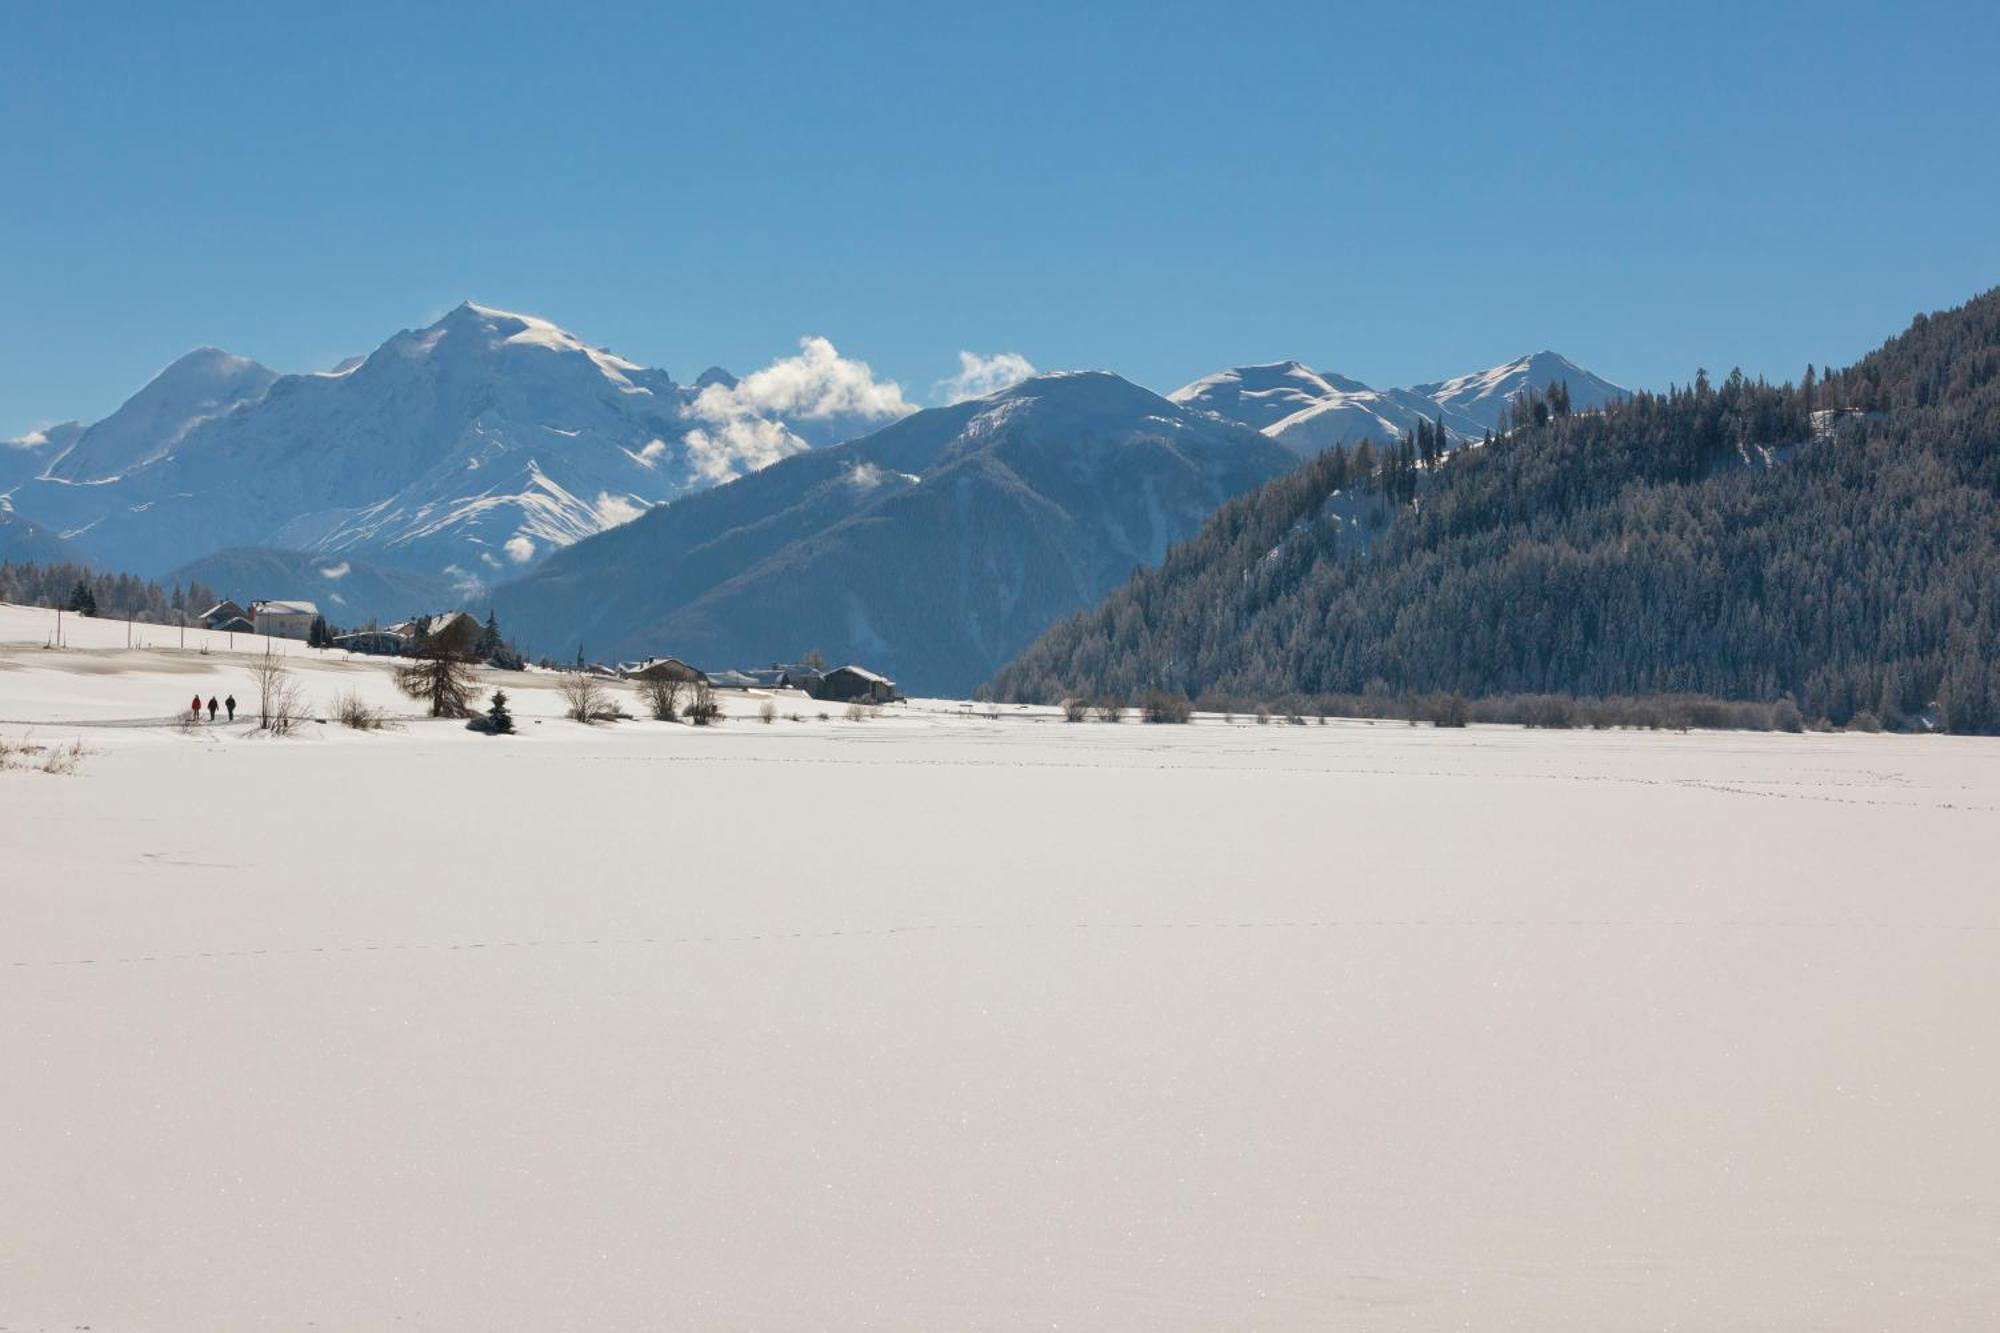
(936, 1021)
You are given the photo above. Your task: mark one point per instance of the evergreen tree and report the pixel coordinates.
(498, 720)
(82, 600)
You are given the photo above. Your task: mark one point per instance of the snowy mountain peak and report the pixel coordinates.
(1260, 396)
(199, 386)
(1485, 395)
(1308, 410)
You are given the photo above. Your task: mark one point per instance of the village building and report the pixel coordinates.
(732, 680)
(284, 620)
(374, 642)
(853, 684)
(217, 616)
(661, 668)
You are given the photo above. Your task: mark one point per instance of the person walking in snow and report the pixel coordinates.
(195, 708)
(211, 708)
(230, 704)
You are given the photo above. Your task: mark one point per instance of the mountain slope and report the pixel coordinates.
(1840, 543)
(931, 549)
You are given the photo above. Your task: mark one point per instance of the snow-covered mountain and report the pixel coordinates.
(933, 549)
(468, 449)
(1308, 411)
(1483, 397)
(204, 384)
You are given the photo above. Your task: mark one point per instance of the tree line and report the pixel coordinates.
(78, 587)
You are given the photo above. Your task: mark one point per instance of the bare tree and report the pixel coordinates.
(584, 696)
(663, 694)
(443, 673)
(280, 700)
(1075, 710)
(1110, 710)
(702, 709)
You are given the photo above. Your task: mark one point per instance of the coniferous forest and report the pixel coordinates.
(1834, 543)
(79, 587)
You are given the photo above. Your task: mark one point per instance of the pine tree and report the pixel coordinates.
(82, 600)
(498, 720)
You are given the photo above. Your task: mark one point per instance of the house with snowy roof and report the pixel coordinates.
(224, 611)
(853, 684)
(284, 620)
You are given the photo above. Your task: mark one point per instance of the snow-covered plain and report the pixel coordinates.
(936, 1021)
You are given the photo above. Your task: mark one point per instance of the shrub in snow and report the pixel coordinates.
(1164, 706)
(353, 711)
(767, 712)
(1110, 710)
(1075, 710)
(1786, 716)
(496, 720)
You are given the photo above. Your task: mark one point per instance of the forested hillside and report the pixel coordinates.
(1835, 540)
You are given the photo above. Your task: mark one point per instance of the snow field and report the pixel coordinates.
(943, 1022)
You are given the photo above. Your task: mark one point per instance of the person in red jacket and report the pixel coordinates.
(195, 708)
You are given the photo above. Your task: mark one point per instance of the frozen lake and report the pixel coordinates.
(940, 1022)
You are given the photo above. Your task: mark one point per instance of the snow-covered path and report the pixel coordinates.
(941, 1022)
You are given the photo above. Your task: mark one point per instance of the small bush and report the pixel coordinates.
(1109, 710)
(1075, 710)
(1864, 721)
(1167, 708)
(1786, 716)
(702, 709)
(1263, 715)
(1451, 711)
(663, 696)
(354, 712)
(767, 712)
(857, 713)
(584, 697)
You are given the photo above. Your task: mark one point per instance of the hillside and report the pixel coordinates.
(933, 549)
(1838, 542)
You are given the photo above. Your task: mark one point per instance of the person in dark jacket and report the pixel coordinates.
(230, 704)
(195, 708)
(212, 706)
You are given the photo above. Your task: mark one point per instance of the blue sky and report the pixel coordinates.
(1396, 192)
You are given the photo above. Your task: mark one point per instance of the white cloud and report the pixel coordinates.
(743, 444)
(519, 549)
(817, 385)
(615, 509)
(980, 375)
(338, 571)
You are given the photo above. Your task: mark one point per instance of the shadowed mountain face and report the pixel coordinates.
(933, 549)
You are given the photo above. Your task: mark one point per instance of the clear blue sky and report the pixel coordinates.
(1392, 191)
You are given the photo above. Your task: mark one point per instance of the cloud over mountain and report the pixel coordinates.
(980, 375)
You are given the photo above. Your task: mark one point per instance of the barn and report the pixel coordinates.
(853, 684)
